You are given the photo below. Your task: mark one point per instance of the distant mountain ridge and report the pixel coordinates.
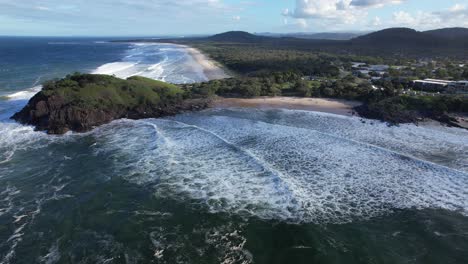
(399, 41)
(385, 35)
(456, 32)
(402, 37)
(321, 35)
(406, 40)
(236, 36)
(445, 42)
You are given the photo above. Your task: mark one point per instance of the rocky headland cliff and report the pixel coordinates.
(81, 102)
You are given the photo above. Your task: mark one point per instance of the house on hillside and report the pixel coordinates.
(436, 85)
(431, 85)
(379, 68)
(459, 87)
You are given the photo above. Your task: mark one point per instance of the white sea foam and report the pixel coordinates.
(278, 171)
(445, 146)
(22, 207)
(120, 69)
(25, 94)
(53, 256)
(163, 62)
(227, 239)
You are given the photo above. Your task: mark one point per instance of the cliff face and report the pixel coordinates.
(66, 105)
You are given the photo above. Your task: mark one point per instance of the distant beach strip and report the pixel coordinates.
(210, 68)
(332, 106)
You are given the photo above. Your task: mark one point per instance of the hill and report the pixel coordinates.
(80, 102)
(387, 42)
(449, 33)
(450, 42)
(398, 37)
(236, 36)
(323, 35)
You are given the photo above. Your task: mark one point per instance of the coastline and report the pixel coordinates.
(210, 68)
(332, 106)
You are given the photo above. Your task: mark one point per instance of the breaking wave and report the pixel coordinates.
(254, 168)
(164, 62)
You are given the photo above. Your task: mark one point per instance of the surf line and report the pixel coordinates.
(293, 188)
(367, 145)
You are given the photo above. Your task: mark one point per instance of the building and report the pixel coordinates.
(431, 85)
(379, 68)
(357, 65)
(363, 69)
(459, 87)
(435, 85)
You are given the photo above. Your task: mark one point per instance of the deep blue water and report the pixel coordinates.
(27, 62)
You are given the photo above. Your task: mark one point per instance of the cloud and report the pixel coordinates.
(340, 10)
(335, 12)
(236, 18)
(43, 8)
(114, 17)
(376, 22)
(455, 16)
(375, 3)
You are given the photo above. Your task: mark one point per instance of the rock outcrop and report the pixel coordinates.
(68, 105)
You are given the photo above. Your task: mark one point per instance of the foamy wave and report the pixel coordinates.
(15, 137)
(25, 94)
(20, 205)
(274, 171)
(116, 68)
(445, 146)
(163, 62)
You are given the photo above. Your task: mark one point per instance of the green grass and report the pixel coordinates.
(102, 91)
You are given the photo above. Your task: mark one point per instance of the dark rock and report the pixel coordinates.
(54, 115)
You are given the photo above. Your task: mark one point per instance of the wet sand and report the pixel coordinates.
(333, 106)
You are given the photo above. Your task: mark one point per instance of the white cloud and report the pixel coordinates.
(455, 16)
(335, 12)
(42, 8)
(115, 17)
(302, 23)
(236, 18)
(403, 18)
(375, 3)
(376, 22)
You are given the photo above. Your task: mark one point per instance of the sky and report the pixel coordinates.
(189, 17)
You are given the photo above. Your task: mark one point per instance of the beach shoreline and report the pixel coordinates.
(325, 105)
(211, 70)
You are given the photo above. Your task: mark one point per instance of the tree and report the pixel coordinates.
(441, 73)
(303, 89)
(465, 73)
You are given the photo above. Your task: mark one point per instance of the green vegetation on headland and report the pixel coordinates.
(405, 109)
(80, 102)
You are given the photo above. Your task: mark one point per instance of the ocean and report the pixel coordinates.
(226, 185)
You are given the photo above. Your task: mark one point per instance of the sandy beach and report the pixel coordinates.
(210, 68)
(334, 106)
